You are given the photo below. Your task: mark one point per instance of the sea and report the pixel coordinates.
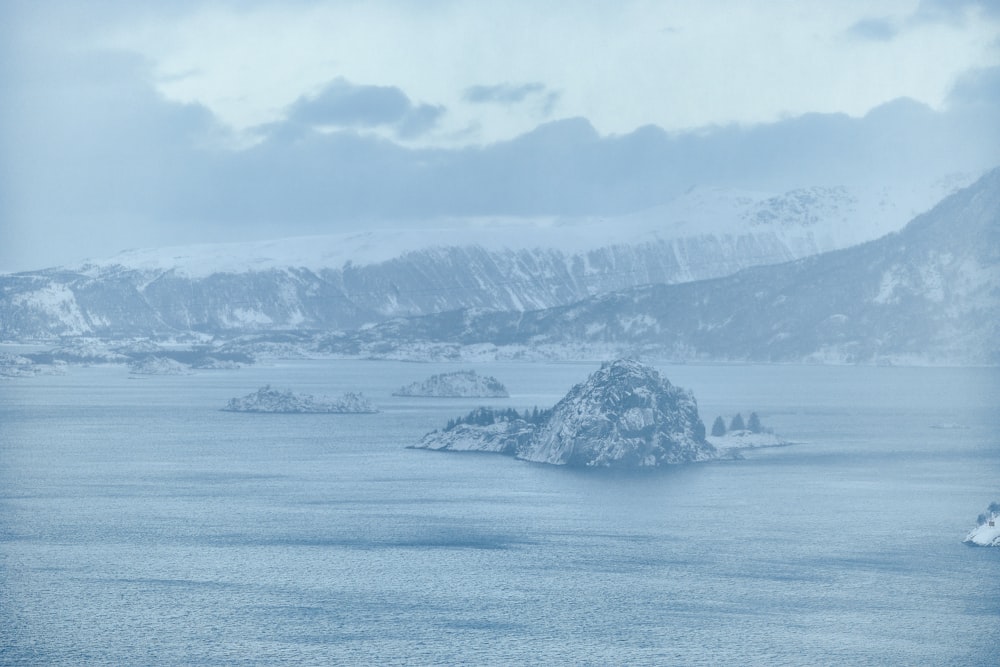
(142, 525)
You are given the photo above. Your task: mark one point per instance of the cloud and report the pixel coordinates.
(323, 181)
(504, 93)
(418, 121)
(874, 29)
(341, 104)
(977, 87)
(93, 159)
(948, 12)
(91, 154)
(954, 11)
(507, 95)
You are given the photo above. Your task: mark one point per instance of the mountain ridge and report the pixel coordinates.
(347, 281)
(928, 293)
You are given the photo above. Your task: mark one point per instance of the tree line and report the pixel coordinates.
(752, 424)
(484, 416)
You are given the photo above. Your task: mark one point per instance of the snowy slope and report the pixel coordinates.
(815, 218)
(346, 281)
(928, 294)
(987, 532)
(984, 536)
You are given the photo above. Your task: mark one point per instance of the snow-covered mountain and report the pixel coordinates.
(929, 293)
(346, 281)
(624, 415)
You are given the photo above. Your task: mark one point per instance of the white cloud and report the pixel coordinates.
(622, 65)
(106, 149)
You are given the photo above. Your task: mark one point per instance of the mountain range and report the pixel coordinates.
(350, 281)
(929, 293)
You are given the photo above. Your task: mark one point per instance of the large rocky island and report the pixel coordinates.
(624, 416)
(459, 384)
(267, 399)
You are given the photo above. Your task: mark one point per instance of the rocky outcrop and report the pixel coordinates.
(267, 399)
(154, 365)
(987, 533)
(459, 384)
(18, 366)
(624, 416)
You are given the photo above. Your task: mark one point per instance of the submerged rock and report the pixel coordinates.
(459, 384)
(624, 416)
(267, 399)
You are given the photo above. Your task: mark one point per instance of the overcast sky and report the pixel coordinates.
(141, 123)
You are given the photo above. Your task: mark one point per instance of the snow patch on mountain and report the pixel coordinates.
(56, 301)
(806, 220)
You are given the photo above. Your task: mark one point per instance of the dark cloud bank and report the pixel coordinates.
(118, 151)
(343, 105)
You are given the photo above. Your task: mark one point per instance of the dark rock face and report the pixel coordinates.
(624, 416)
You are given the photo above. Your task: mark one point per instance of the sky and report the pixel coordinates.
(142, 123)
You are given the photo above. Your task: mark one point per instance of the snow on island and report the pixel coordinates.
(459, 384)
(17, 366)
(743, 435)
(987, 533)
(624, 416)
(271, 400)
(158, 366)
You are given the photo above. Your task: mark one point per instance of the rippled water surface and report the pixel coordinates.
(141, 525)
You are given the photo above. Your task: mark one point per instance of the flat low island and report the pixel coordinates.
(270, 400)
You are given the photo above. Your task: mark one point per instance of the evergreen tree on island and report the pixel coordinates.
(753, 423)
(737, 423)
(718, 427)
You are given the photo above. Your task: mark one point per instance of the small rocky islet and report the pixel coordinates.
(457, 384)
(987, 530)
(270, 400)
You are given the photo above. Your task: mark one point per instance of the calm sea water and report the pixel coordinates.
(141, 525)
